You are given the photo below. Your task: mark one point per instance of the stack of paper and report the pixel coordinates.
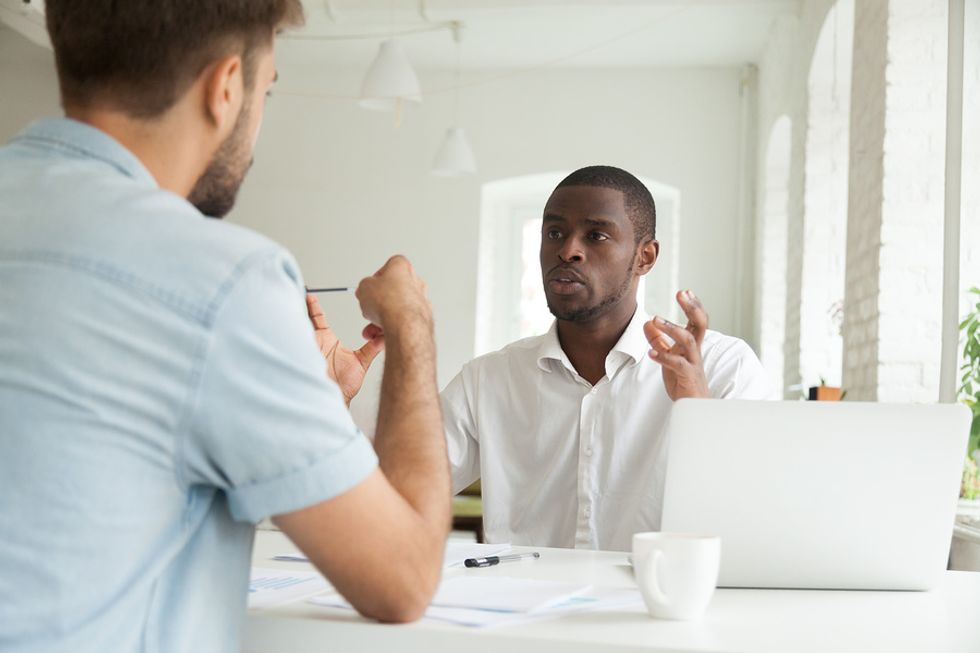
(497, 601)
(595, 600)
(269, 587)
(503, 594)
(457, 552)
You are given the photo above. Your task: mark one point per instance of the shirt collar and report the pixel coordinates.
(86, 141)
(550, 349)
(633, 343)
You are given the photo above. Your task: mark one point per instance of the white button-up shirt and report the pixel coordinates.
(565, 463)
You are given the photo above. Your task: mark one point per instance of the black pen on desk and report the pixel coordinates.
(316, 290)
(490, 561)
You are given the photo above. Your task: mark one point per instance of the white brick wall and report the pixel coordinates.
(771, 252)
(970, 210)
(895, 197)
(783, 75)
(911, 256)
(892, 337)
(794, 261)
(860, 373)
(825, 198)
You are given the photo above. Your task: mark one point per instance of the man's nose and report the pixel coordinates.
(571, 251)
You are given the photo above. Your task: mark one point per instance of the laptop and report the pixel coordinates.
(820, 495)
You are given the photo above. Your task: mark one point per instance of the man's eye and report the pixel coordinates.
(554, 234)
(595, 235)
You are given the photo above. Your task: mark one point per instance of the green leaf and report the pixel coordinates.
(969, 389)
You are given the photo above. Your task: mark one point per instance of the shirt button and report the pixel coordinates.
(588, 451)
(588, 511)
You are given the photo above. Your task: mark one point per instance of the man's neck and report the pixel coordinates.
(165, 148)
(587, 344)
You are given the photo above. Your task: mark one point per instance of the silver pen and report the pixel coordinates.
(490, 561)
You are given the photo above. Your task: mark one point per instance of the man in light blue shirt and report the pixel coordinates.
(161, 389)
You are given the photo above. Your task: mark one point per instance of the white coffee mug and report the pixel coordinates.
(677, 572)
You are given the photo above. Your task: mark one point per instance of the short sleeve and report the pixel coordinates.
(733, 371)
(267, 426)
(461, 442)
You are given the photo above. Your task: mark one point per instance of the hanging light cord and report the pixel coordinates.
(457, 37)
(380, 34)
(495, 78)
(389, 31)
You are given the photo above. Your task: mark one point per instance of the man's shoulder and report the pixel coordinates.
(172, 218)
(224, 244)
(733, 369)
(518, 352)
(717, 343)
(133, 234)
(213, 254)
(173, 244)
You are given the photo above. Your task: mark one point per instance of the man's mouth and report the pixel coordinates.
(565, 282)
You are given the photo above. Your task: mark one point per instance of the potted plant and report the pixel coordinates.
(824, 392)
(970, 395)
(964, 551)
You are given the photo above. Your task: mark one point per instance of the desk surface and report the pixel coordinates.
(946, 619)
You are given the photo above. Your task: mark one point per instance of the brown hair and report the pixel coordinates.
(140, 56)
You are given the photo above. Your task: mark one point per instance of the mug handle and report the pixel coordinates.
(649, 571)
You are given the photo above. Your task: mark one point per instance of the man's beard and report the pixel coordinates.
(586, 313)
(215, 191)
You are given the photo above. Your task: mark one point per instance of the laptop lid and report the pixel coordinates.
(832, 495)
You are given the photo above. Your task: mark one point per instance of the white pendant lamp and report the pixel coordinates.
(390, 82)
(455, 157)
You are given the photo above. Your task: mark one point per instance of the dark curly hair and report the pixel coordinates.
(639, 203)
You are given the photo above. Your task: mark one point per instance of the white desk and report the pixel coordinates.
(945, 620)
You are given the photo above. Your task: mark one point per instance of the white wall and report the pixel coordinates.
(770, 280)
(825, 199)
(900, 362)
(28, 85)
(783, 75)
(970, 210)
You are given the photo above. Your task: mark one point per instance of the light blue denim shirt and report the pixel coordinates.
(160, 391)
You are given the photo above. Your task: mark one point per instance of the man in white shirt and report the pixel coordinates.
(566, 430)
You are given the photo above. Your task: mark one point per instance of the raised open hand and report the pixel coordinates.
(344, 366)
(678, 349)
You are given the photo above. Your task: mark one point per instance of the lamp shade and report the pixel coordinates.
(390, 80)
(454, 158)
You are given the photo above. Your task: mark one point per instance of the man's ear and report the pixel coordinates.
(224, 92)
(646, 255)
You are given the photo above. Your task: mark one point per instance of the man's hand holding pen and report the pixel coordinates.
(391, 294)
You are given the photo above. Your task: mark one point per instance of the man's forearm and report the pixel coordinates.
(409, 438)
(381, 543)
